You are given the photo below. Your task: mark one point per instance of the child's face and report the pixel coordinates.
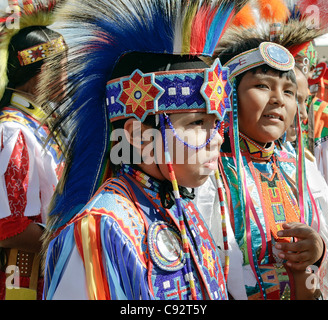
(302, 96)
(266, 105)
(192, 167)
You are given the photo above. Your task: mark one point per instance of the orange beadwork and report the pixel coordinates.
(279, 204)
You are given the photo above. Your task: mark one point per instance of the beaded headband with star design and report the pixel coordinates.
(195, 90)
(41, 51)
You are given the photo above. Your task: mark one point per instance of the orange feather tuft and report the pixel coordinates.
(244, 18)
(273, 11)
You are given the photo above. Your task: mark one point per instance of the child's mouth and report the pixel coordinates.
(212, 164)
(274, 116)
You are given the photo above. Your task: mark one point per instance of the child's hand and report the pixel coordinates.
(305, 251)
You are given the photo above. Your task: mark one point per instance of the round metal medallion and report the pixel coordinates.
(165, 246)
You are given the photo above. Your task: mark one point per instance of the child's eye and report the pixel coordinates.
(290, 92)
(197, 123)
(261, 86)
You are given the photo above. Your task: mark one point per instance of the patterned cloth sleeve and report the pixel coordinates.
(28, 172)
(16, 181)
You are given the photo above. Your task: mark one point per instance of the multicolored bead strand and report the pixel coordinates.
(176, 193)
(224, 224)
(255, 151)
(141, 177)
(300, 172)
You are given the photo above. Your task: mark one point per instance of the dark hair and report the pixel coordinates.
(248, 44)
(24, 39)
(152, 62)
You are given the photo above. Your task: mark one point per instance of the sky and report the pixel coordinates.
(322, 41)
(3, 4)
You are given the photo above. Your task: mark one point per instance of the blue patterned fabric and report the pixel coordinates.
(130, 271)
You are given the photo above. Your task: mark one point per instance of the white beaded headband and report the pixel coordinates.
(272, 54)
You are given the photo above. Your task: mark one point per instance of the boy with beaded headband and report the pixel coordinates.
(294, 35)
(266, 210)
(136, 61)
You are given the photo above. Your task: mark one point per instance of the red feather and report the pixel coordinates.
(199, 29)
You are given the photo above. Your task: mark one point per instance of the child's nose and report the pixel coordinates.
(217, 139)
(303, 112)
(277, 98)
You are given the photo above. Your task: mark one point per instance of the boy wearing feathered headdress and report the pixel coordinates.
(262, 190)
(29, 172)
(138, 235)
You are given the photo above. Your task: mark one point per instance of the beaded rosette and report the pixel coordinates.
(165, 246)
(272, 54)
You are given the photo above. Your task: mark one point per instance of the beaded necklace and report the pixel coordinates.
(277, 201)
(255, 151)
(141, 177)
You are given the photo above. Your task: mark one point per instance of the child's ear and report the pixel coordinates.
(133, 133)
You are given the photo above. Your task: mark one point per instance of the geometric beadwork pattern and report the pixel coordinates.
(41, 51)
(140, 94)
(280, 205)
(276, 283)
(318, 73)
(216, 90)
(199, 90)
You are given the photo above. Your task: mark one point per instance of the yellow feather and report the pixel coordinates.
(186, 30)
